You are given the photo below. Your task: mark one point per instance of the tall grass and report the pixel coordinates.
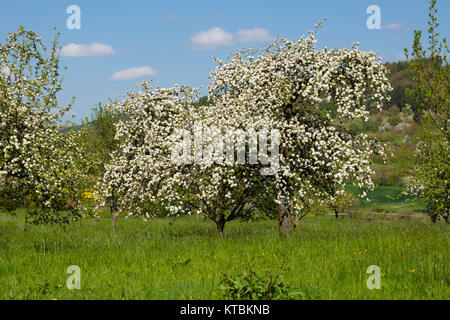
(183, 258)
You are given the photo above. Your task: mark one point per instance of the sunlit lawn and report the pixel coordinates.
(184, 259)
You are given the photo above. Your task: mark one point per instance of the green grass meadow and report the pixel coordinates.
(183, 258)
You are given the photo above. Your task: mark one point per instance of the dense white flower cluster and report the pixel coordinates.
(143, 173)
(35, 152)
(285, 87)
(141, 170)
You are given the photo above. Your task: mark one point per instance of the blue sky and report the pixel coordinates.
(174, 41)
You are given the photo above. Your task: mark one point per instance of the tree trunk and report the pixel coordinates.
(114, 219)
(434, 218)
(336, 214)
(284, 220)
(220, 226)
(296, 220)
(26, 222)
(113, 208)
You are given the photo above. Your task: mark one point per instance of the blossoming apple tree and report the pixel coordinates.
(140, 171)
(38, 157)
(148, 174)
(286, 87)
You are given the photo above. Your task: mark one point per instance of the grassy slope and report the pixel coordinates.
(390, 198)
(183, 258)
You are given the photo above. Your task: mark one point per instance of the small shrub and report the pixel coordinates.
(371, 125)
(248, 285)
(356, 126)
(395, 120)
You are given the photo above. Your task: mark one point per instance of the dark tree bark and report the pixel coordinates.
(220, 226)
(26, 221)
(113, 208)
(284, 220)
(114, 217)
(221, 218)
(336, 213)
(434, 217)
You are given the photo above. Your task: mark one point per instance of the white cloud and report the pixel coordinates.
(212, 39)
(171, 16)
(216, 38)
(253, 35)
(87, 50)
(133, 73)
(395, 26)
